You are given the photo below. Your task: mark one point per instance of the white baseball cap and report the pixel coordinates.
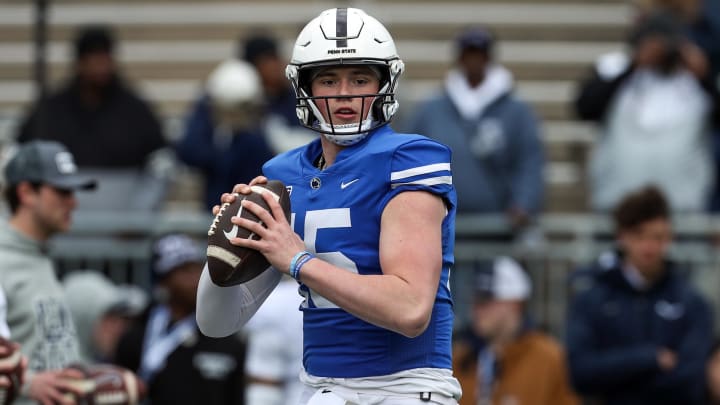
(504, 281)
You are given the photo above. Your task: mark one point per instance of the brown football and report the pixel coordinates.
(106, 384)
(229, 264)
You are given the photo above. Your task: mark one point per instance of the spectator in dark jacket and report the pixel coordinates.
(96, 115)
(112, 132)
(179, 364)
(224, 137)
(637, 332)
(282, 128)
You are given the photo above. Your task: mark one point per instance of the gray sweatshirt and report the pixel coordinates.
(37, 314)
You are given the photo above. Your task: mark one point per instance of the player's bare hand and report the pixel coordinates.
(238, 189)
(245, 188)
(278, 242)
(50, 387)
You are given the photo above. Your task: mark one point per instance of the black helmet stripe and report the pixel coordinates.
(341, 27)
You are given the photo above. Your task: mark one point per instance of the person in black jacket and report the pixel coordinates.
(96, 115)
(637, 332)
(179, 364)
(110, 129)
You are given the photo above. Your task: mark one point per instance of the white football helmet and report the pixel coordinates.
(345, 36)
(236, 94)
(233, 82)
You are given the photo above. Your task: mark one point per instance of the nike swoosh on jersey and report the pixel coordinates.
(344, 185)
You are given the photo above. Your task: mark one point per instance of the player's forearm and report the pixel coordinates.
(222, 311)
(386, 301)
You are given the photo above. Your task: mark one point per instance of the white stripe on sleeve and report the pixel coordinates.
(416, 171)
(426, 182)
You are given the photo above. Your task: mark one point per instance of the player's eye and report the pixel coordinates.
(327, 82)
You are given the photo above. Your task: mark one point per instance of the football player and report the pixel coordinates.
(372, 236)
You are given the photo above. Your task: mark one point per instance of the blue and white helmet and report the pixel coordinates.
(344, 36)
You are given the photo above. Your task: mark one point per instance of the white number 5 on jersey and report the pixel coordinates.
(320, 219)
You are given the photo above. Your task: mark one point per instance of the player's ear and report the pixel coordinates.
(26, 192)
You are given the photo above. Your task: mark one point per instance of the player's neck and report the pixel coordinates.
(23, 223)
(329, 152)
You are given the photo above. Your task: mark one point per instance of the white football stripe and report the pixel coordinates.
(223, 255)
(131, 385)
(426, 182)
(261, 190)
(416, 171)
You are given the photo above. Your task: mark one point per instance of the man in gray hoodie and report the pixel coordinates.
(40, 180)
(498, 156)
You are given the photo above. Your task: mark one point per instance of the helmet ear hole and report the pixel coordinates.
(302, 113)
(389, 109)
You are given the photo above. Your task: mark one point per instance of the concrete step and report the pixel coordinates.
(362, 4)
(167, 48)
(198, 70)
(173, 96)
(230, 31)
(170, 73)
(298, 13)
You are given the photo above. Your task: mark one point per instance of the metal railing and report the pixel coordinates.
(118, 244)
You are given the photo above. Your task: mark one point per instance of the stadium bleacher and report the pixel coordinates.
(167, 47)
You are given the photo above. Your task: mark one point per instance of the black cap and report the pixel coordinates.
(259, 46)
(659, 23)
(174, 250)
(94, 39)
(475, 37)
(46, 162)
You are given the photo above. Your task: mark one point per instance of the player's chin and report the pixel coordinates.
(346, 120)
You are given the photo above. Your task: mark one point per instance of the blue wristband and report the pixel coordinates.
(304, 259)
(294, 260)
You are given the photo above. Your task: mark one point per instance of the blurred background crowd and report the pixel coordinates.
(586, 156)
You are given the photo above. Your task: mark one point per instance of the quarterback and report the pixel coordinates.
(372, 231)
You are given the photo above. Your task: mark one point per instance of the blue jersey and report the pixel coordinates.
(337, 212)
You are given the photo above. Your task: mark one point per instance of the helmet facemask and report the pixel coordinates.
(367, 43)
(381, 107)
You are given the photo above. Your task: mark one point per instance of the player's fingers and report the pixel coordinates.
(264, 215)
(241, 189)
(256, 227)
(24, 363)
(275, 208)
(247, 243)
(58, 397)
(61, 389)
(215, 209)
(259, 180)
(227, 198)
(70, 373)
